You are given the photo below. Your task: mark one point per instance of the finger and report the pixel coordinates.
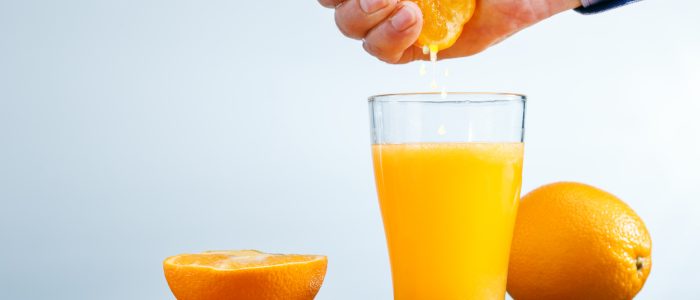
(356, 17)
(392, 40)
(330, 3)
(413, 53)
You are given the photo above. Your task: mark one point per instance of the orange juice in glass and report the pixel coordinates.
(448, 174)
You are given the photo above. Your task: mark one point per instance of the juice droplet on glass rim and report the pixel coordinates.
(443, 94)
(433, 84)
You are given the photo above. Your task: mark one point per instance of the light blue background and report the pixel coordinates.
(134, 130)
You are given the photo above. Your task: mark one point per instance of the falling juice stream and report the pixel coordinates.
(433, 51)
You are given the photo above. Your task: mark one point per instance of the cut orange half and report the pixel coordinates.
(443, 21)
(244, 275)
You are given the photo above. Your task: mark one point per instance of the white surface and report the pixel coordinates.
(135, 130)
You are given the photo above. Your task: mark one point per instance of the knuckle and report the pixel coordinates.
(369, 48)
(348, 28)
(379, 53)
(388, 59)
(330, 3)
(412, 54)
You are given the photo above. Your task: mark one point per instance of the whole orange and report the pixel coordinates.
(574, 241)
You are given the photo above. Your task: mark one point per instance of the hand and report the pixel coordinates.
(389, 28)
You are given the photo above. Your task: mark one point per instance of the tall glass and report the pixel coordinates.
(448, 173)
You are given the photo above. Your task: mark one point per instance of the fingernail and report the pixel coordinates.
(404, 18)
(371, 6)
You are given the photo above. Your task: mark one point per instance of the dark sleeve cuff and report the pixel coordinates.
(603, 6)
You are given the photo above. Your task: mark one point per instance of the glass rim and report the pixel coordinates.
(401, 97)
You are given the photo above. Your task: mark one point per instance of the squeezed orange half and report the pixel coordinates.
(443, 21)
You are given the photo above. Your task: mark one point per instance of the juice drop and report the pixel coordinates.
(433, 53)
(433, 49)
(442, 130)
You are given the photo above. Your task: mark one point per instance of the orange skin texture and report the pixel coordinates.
(574, 241)
(298, 279)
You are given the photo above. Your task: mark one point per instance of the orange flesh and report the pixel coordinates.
(233, 260)
(443, 21)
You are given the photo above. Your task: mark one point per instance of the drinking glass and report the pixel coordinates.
(448, 170)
